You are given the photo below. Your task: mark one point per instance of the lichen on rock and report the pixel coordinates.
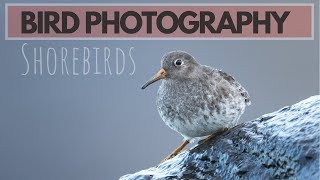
(279, 145)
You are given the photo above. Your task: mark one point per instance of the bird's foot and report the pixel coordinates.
(168, 157)
(213, 135)
(176, 151)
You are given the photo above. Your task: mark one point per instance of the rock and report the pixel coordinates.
(280, 145)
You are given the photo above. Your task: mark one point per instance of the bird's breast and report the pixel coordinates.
(191, 108)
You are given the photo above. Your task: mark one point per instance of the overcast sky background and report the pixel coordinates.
(101, 127)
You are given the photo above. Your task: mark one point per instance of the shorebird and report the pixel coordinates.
(197, 100)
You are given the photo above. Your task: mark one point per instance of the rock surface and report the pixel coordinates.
(280, 145)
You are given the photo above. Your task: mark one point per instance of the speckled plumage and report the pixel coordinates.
(197, 100)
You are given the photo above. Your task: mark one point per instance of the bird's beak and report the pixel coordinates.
(161, 74)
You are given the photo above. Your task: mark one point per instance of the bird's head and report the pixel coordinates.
(175, 65)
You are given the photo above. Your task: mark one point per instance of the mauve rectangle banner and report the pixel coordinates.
(159, 21)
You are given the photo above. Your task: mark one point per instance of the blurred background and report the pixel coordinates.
(104, 126)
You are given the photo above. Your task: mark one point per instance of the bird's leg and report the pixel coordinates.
(214, 135)
(176, 151)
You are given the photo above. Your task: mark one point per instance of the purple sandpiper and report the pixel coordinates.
(197, 100)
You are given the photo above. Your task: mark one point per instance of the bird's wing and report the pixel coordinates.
(243, 92)
(219, 75)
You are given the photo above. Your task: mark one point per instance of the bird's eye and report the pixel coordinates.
(178, 62)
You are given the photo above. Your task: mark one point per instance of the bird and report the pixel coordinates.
(197, 100)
